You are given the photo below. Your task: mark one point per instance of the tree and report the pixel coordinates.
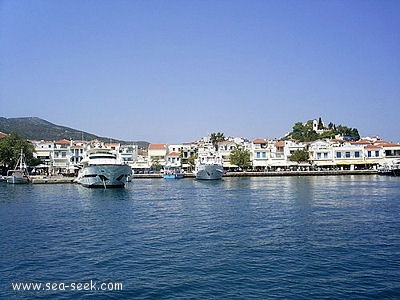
(10, 151)
(155, 164)
(215, 138)
(191, 160)
(240, 157)
(300, 155)
(320, 124)
(298, 131)
(304, 133)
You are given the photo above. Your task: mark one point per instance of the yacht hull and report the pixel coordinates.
(209, 172)
(104, 176)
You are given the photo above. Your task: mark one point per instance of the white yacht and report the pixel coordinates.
(208, 167)
(103, 169)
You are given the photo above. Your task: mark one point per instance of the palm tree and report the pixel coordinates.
(215, 138)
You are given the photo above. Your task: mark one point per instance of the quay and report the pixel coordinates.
(62, 179)
(52, 179)
(301, 173)
(275, 173)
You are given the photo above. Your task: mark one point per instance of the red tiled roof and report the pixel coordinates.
(388, 144)
(173, 154)
(259, 141)
(280, 144)
(63, 142)
(157, 146)
(361, 142)
(372, 147)
(225, 142)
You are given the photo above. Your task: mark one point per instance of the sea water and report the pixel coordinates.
(330, 237)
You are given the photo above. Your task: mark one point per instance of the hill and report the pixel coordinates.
(316, 129)
(33, 128)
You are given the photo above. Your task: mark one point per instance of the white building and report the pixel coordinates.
(157, 154)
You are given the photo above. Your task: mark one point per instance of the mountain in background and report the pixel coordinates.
(33, 128)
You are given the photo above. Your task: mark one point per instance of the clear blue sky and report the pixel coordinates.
(174, 71)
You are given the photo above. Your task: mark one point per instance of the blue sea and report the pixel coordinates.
(328, 237)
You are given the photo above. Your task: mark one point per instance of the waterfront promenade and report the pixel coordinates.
(61, 179)
(276, 173)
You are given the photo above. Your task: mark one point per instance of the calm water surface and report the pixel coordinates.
(239, 238)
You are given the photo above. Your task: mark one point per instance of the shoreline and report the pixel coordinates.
(63, 180)
(275, 173)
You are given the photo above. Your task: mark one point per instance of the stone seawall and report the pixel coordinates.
(60, 179)
(280, 173)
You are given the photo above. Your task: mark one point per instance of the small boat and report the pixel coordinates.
(20, 173)
(102, 169)
(173, 174)
(208, 167)
(391, 169)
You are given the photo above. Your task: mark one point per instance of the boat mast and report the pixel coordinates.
(20, 161)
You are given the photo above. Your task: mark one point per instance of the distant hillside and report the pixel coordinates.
(38, 129)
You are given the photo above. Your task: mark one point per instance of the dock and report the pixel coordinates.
(301, 173)
(52, 180)
(62, 179)
(275, 173)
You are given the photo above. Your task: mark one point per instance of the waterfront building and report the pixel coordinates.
(373, 155)
(349, 156)
(157, 154)
(188, 150)
(77, 150)
(321, 154)
(390, 150)
(128, 153)
(61, 159)
(173, 160)
(141, 164)
(260, 154)
(224, 151)
(44, 150)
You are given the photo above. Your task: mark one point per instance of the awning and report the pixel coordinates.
(351, 162)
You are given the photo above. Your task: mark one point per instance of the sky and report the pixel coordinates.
(175, 71)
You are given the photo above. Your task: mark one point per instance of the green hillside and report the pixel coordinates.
(38, 129)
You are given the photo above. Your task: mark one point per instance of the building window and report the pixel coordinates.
(369, 153)
(264, 154)
(338, 154)
(318, 155)
(258, 154)
(347, 154)
(357, 154)
(376, 153)
(325, 155)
